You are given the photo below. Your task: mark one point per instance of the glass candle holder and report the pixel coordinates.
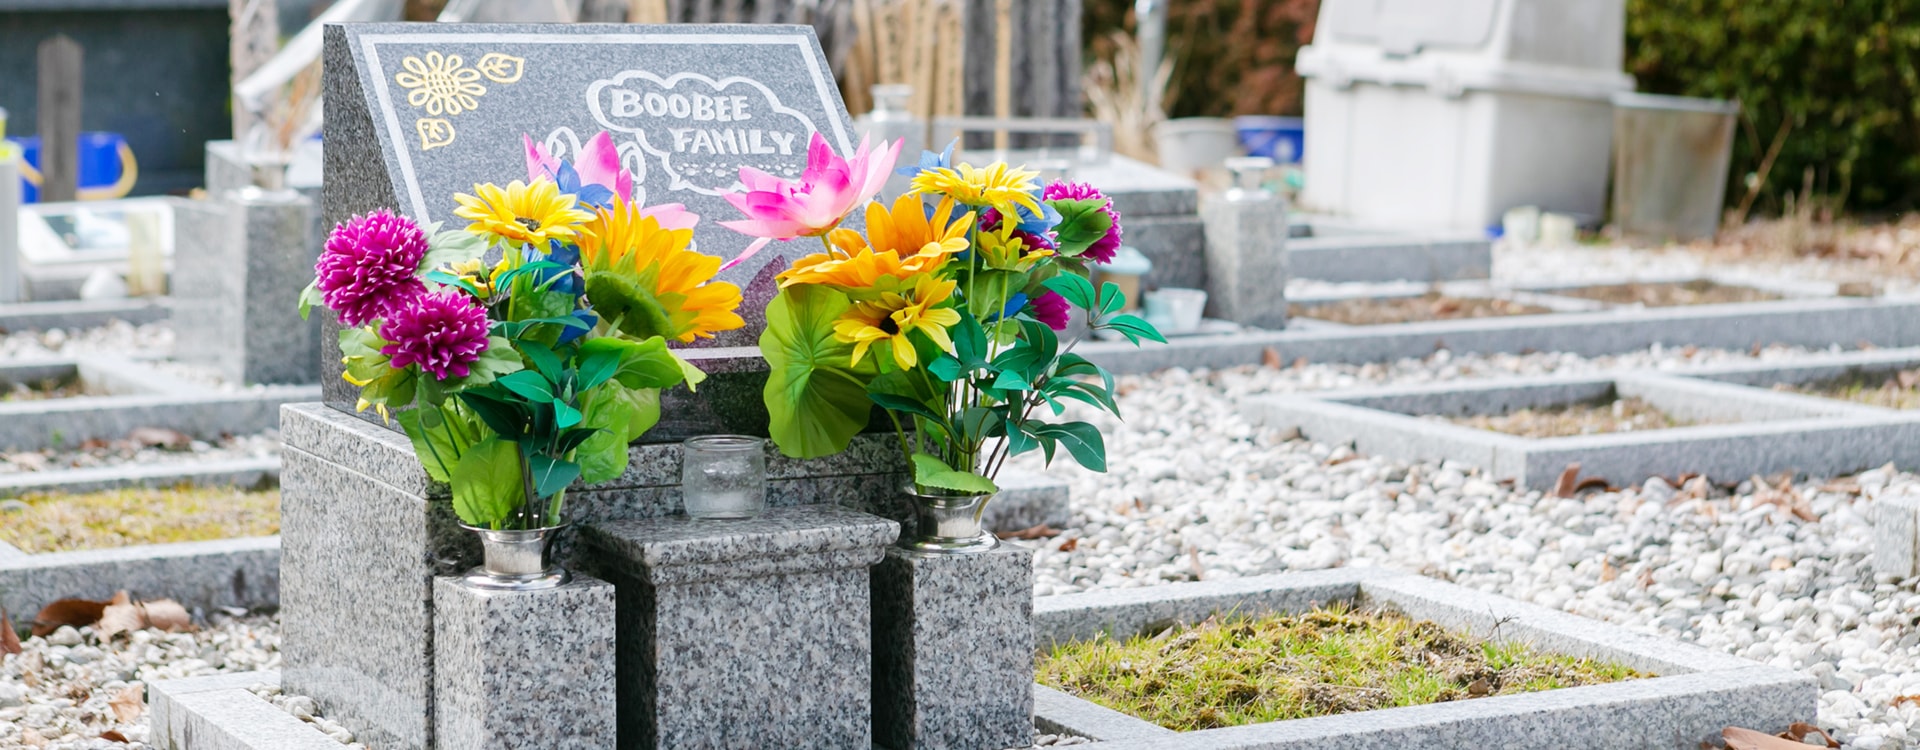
(724, 476)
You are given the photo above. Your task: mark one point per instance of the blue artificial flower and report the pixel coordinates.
(930, 160)
(570, 333)
(568, 180)
(1015, 304)
(566, 255)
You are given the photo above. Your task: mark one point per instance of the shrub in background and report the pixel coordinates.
(1231, 57)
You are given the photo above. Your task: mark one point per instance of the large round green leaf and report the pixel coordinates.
(815, 400)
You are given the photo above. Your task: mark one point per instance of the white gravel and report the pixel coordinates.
(143, 453)
(118, 338)
(1196, 491)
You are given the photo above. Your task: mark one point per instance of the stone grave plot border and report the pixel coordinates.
(243, 573)
(1326, 249)
(219, 711)
(1815, 323)
(1775, 431)
(78, 314)
(1694, 694)
(139, 396)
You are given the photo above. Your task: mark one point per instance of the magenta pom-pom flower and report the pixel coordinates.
(1051, 309)
(442, 332)
(369, 266)
(1103, 249)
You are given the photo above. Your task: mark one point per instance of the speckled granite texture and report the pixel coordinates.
(524, 670)
(1246, 257)
(953, 650)
(237, 301)
(750, 633)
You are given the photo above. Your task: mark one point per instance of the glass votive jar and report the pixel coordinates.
(723, 476)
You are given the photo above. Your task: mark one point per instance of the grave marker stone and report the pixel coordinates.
(60, 84)
(418, 112)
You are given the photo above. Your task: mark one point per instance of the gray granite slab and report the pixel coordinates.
(202, 575)
(237, 300)
(749, 633)
(1896, 536)
(219, 713)
(1246, 257)
(953, 650)
(524, 669)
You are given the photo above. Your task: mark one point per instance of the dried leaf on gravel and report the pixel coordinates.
(1042, 531)
(1800, 731)
(113, 736)
(1569, 481)
(78, 613)
(160, 437)
(9, 639)
(128, 704)
(1738, 738)
(168, 615)
(1270, 357)
(119, 618)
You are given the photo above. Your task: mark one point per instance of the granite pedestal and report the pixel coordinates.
(364, 533)
(953, 650)
(748, 633)
(236, 301)
(11, 285)
(524, 669)
(1246, 258)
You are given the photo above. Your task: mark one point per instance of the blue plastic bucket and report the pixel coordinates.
(1282, 139)
(104, 160)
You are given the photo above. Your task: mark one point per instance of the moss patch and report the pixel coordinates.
(1233, 671)
(42, 390)
(1430, 306)
(120, 518)
(1596, 418)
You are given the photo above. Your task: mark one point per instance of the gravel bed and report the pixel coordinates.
(66, 690)
(1619, 415)
(144, 448)
(1432, 306)
(1779, 574)
(118, 338)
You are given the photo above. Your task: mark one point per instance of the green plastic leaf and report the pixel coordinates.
(1074, 287)
(1134, 328)
(543, 359)
(643, 364)
(616, 296)
(509, 418)
(452, 246)
(908, 393)
(1081, 439)
(1082, 223)
(564, 415)
(816, 401)
(529, 385)
(551, 475)
(929, 471)
(311, 297)
(595, 368)
(446, 279)
(603, 455)
(441, 437)
(486, 483)
(498, 359)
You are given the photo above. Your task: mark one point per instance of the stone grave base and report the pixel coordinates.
(219, 713)
(1329, 250)
(1696, 691)
(131, 394)
(1760, 431)
(200, 575)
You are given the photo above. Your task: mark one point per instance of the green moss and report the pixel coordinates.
(1238, 670)
(119, 518)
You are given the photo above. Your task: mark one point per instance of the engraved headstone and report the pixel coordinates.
(418, 112)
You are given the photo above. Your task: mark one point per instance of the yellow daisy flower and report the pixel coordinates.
(476, 273)
(520, 212)
(891, 317)
(998, 185)
(679, 295)
(900, 243)
(1006, 251)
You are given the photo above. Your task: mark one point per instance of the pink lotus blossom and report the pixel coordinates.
(826, 192)
(598, 164)
(672, 216)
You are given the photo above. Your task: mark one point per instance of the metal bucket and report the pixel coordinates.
(1670, 158)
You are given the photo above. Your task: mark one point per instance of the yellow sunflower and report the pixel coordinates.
(900, 243)
(651, 278)
(891, 317)
(998, 185)
(520, 212)
(475, 272)
(1005, 250)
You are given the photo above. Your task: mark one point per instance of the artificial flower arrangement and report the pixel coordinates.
(945, 312)
(530, 372)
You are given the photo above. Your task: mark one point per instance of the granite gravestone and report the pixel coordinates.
(418, 112)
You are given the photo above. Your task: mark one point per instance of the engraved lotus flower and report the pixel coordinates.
(443, 84)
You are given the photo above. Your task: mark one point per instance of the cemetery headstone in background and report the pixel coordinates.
(418, 112)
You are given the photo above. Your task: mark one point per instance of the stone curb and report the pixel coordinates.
(76, 314)
(240, 472)
(219, 713)
(1780, 431)
(1696, 692)
(34, 425)
(1802, 322)
(1384, 256)
(199, 575)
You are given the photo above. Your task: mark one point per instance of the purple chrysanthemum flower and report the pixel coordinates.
(441, 332)
(1103, 249)
(369, 264)
(1052, 309)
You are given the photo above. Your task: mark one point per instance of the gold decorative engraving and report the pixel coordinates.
(501, 68)
(434, 132)
(440, 83)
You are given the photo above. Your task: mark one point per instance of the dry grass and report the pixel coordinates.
(1697, 292)
(1895, 390)
(43, 390)
(120, 518)
(1430, 306)
(1880, 249)
(1618, 415)
(1234, 671)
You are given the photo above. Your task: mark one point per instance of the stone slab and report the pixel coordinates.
(218, 713)
(1816, 323)
(953, 650)
(199, 575)
(1247, 257)
(524, 669)
(236, 301)
(243, 472)
(746, 633)
(1436, 256)
(53, 423)
(1896, 535)
(1055, 712)
(1772, 431)
(1027, 500)
(1696, 691)
(77, 314)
